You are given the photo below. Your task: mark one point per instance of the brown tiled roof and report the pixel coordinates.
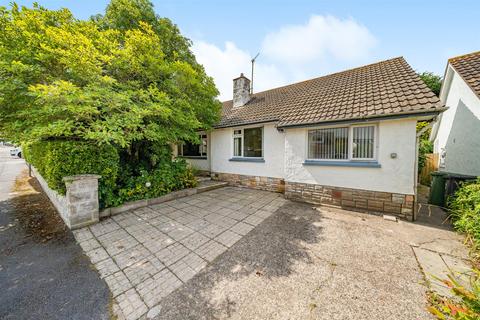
(381, 89)
(468, 67)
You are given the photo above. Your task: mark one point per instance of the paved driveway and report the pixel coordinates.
(243, 254)
(146, 254)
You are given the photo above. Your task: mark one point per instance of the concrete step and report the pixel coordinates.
(210, 185)
(200, 179)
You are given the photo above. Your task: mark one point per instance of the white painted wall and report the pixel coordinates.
(458, 130)
(395, 175)
(199, 164)
(221, 142)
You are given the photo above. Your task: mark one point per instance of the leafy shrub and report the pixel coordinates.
(465, 211)
(57, 159)
(166, 177)
(142, 179)
(466, 306)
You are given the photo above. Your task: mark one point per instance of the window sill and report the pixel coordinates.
(240, 159)
(360, 164)
(193, 157)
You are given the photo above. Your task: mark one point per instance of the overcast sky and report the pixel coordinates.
(300, 39)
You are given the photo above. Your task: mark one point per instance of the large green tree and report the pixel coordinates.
(126, 15)
(127, 78)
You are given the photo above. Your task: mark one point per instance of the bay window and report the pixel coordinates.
(342, 143)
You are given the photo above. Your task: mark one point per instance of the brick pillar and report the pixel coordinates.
(82, 200)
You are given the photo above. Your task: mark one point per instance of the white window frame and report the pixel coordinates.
(202, 140)
(242, 142)
(350, 143)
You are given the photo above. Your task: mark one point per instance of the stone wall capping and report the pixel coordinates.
(81, 177)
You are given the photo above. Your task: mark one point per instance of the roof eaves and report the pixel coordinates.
(401, 115)
(245, 123)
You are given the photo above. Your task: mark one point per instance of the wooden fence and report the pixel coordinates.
(431, 164)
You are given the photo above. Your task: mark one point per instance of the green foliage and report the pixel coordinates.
(424, 147)
(466, 306)
(57, 159)
(165, 178)
(465, 211)
(103, 96)
(432, 81)
(151, 174)
(127, 14)
(149, 178)
(101, 80)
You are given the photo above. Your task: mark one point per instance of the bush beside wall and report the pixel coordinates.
(121, 180)
(166, 177)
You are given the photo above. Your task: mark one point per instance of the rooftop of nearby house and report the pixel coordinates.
(383, 89)
(468, 67)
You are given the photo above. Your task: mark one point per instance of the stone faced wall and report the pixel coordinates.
(79, 207)
(254, 182)
(400, 205)
(82, 200)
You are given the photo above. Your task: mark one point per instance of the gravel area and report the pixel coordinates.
(302, 263)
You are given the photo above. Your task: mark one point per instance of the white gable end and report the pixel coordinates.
(457, 134)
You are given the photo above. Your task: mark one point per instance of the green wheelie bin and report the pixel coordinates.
(437, 189)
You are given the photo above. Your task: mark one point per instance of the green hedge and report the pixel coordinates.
(465, 208)
(57, 159)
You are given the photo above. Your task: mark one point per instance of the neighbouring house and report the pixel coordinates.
(347, 139)
(456, 134)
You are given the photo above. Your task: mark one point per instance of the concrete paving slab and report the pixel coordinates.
(461, 270)
(435, 269)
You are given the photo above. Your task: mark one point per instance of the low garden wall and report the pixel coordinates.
(79, 206)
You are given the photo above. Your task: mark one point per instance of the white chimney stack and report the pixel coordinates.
(241, 91)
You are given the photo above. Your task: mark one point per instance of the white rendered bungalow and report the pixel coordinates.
(456, 134)
(347, 139)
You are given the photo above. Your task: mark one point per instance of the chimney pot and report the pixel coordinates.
(241, 91)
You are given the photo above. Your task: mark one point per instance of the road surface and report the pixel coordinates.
(41, 277)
